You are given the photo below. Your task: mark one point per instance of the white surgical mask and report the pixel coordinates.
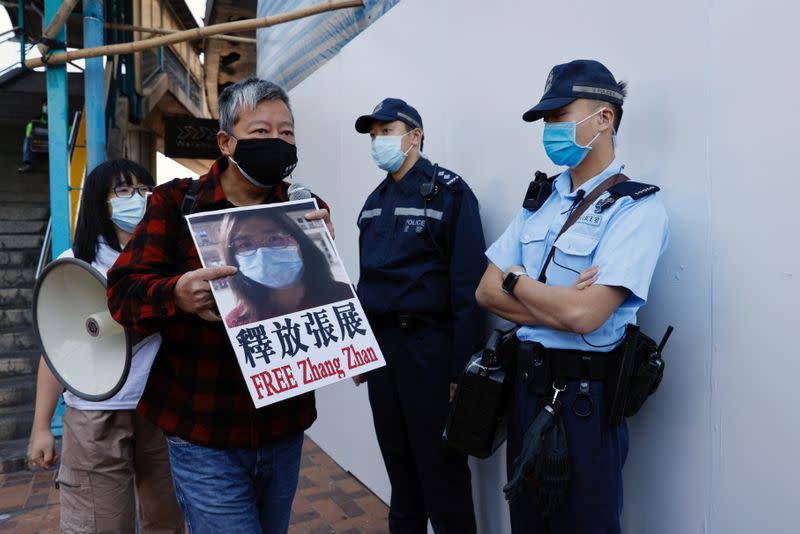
(126, 213)
(272, 267)
(386, 152)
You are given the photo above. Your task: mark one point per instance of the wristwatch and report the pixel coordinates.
(511, 280)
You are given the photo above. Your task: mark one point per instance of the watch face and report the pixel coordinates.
(508, 282)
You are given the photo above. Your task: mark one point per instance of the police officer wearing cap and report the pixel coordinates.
(530, 278)
(421, 258)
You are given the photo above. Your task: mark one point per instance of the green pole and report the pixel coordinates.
(58, 139)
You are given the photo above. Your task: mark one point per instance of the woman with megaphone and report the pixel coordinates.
(111, 457)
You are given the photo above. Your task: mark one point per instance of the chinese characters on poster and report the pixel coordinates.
(290, 311)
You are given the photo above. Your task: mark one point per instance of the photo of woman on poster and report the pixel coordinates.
(281, 269)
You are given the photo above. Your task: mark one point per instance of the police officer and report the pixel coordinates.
(622, 234)
(421, 245)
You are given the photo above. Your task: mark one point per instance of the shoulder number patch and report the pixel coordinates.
(592, 219)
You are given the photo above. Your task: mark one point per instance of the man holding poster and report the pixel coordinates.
(235, 468)
(420, 253)
(293, 318)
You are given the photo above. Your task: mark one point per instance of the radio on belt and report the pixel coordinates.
(477, 421)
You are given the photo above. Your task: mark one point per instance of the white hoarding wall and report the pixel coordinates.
(710, 118)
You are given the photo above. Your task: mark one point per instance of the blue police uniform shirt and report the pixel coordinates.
(401, 269)
(624, 241)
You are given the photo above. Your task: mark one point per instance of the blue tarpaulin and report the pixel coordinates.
(289, 53)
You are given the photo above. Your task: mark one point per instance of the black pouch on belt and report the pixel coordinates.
(533, 367)
(636, 373)
(648, 370)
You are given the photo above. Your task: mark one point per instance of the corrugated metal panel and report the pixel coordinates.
(289, 53)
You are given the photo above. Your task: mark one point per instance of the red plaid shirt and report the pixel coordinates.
(195, 389)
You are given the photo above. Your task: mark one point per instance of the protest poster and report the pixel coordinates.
(290, 311)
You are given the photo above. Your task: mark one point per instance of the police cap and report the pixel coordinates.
(581, 78)
(390, 109)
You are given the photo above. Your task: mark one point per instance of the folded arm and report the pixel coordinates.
(490, 295)
(581, 308)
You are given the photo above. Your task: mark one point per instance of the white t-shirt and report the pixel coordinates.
(143, 353)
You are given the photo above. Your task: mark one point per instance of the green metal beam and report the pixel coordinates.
(58, 140)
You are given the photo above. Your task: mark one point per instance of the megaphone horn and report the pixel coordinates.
(87, 351)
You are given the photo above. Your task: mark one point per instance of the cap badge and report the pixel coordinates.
(549, 83)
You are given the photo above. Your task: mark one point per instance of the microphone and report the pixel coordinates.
(298, 191)
(579, 194)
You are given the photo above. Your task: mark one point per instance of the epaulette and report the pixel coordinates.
(539, 191)
(635, 190)
(448, 178)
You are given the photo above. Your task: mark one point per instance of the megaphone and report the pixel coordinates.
(87, 351)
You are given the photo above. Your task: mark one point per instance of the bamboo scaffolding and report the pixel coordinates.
(164, 31)
(58, 20)
(190, 35)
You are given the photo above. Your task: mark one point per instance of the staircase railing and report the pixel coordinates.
(45, 252)
(77, 151)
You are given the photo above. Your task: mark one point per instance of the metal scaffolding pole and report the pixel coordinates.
(57, 133)
(21, 24)
(192, 34)
(94, 88)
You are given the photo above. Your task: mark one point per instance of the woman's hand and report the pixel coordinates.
(325, 216)
(42, 448)
(586, 278)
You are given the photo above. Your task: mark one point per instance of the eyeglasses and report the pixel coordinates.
(246, 246)
(127, 191)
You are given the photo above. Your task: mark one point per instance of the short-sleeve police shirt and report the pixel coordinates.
(624, 241)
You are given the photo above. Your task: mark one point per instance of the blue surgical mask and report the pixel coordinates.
(560, 144)
(127, 212)
(272, 267)
(386, 151)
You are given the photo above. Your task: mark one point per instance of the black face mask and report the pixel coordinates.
(265, 161)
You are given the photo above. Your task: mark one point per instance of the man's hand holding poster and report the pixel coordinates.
(291, 314)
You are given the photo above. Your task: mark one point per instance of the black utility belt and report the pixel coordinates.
(539, 367)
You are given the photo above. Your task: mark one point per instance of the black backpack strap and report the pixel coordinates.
(189, 197)
(539, 191)
(635, 190)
